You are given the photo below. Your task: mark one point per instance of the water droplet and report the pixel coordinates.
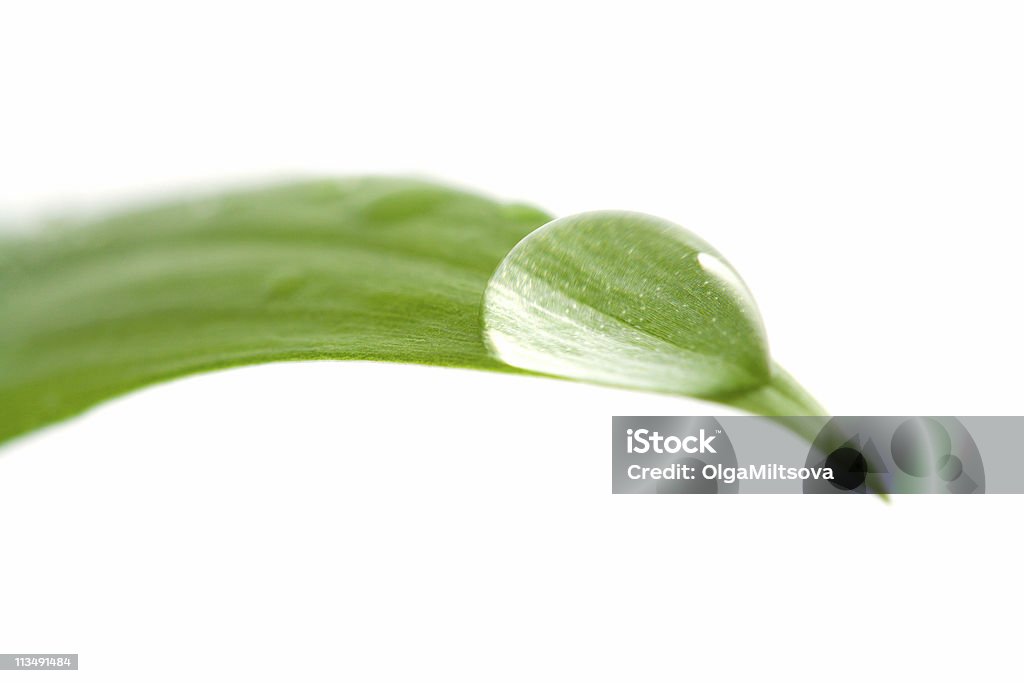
(629, 300)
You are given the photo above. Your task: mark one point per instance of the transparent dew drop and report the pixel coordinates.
(629, 300)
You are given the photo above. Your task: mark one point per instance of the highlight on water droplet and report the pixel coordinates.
(724, 272)
(626, 299)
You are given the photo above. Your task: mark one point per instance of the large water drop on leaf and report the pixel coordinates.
(629, 300)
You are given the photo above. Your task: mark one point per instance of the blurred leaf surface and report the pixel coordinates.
(372, 268)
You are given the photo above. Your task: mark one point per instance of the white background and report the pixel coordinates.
(860, 165)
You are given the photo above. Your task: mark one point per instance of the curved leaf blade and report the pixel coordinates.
(362, 269)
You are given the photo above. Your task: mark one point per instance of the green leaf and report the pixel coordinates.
(374, 269)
